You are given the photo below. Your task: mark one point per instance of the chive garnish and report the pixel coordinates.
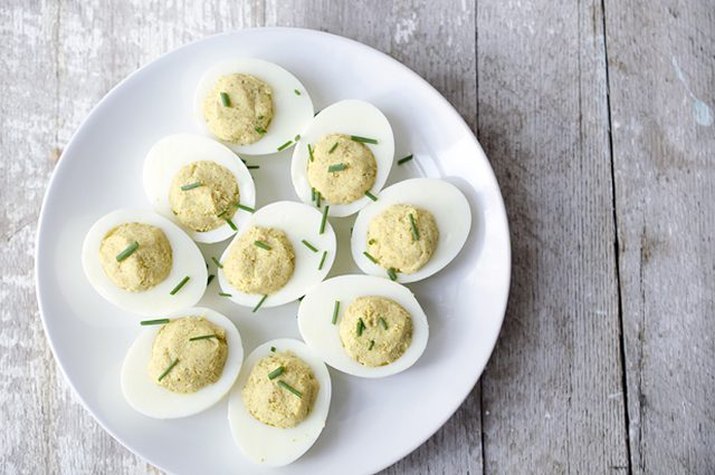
(222, 213)
(290, 388)
(317, 199)
(371, 196)
(391, 273)
(309, 246)
(276, 372)
(403, 160)
(332, 149)
(218, 264)
(383, 322)
(262, 245)
(285, 145)
(260, 302)
(158, 321)
(360, 327)
(415, 231)
(225, 100)
(260, 130)
(369, 256)
(230, 224)
(357, 138)
(253, 167)
(180, 285)
(324, 220)
(312, 194)
(297, 138)
(190, 186)
(245, 208)
(336, 310)
(128, 251)
(297, 92)
(208, 281)
(310, 153)
(337, 167)
(273, 349)
(372, 343)
(202, 337)
(370, 242)
(224, 294)
(166, 371)
(322, 260)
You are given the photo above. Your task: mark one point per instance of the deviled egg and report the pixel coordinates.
(199, 184)
(253, 106)
(182, 364)
(143, 263)
(364, 325)
(282, 251)
(413, 230)
(279, 405)
(343, 157)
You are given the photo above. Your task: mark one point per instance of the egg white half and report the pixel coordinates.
(157, 301)
(299, 222)
(147, 397)
(446, 203)
(350, 117)
(315, 316)
(291, 111)
(274, 446)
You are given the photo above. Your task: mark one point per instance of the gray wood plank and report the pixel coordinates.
(552, 393)
(662, 80)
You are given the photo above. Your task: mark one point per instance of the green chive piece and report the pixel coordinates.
(312, 194)
(218, 264)
(260, 117)
(369, 256)
(332, 149)
(260, 302)
(370, 242)
(310, 153)
(166, 371)
(276, 372)
(190, 186)
(372, 344)
(337, 167)
(391, 273)
(360, 327)
(297, 92)
(253, 167)
(285, 145)
(336, 310)
(383, 322)
(225, 100)
(357, 138)
(224, 294)
(246, 208)
(322, 260)
(290, 388)
(371, 196)
(262, 245)
(222, 213)
(128, 251)
(403, 160)
(260, 130)
(415, 231)
(273, 349)
(309, 246)
(324, 220)
(158, 321)
(230, 224)
(317, 200)
(296, 138)
(202, 337)
(179, 285)
(208, 281)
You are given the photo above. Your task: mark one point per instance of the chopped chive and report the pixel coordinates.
(357, 138)
(260, 117)
(336, 310)
(285, 145)
(262, 245)
(218, 264)
(371, 196)
(190, 186)
(312, 194)
(322, 260)
(297, 92)
(211, 277)
(317, 199)
(273, 349)
(276, 372)
(415, 231)
(332, 149)
(128, 251)
(403, 160)
(166, 371)
(253, 167)
(230, 224)
(158, 321)
(370, 242)
(309, 246)
(383, 322)
(224, 294)
(202, 337)
(290, 388)
(179, 285)
(225, 100)
(245, 208)
(337, 167)
(324, 220)
(260, 130)
(360, 327)
(222, 213)
(372, 343)
(297, 138)
(310, 153)
(391, 273)
(369, 256)
(260, 302)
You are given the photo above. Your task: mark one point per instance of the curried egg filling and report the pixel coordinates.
(188, 354)
(203, 195)
(136, 256)
(375, 331)
(239, 108)
(261, 261)
(280, 390)
(402, 238)
(341, 169)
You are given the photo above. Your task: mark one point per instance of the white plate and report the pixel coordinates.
(101, 170)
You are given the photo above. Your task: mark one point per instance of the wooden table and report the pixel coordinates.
(597, 117)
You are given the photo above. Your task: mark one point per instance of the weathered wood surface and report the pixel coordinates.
(606, 362)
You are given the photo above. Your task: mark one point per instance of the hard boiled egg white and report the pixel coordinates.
(299, 222)
(291, 111)
(349, 117)
(446, 203)
(275, 446)
(147, 397)
(157, 301)
(315, 316)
